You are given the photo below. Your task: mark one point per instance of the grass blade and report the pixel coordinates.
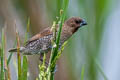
(24, 68)
(100, 69)
(25, 62)
(10, 56)
(82, 72)
(2, 77)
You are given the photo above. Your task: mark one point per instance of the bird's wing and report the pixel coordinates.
(45, 32)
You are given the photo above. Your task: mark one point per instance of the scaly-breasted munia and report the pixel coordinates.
(41, 42)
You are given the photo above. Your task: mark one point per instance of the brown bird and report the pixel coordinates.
(41, 42)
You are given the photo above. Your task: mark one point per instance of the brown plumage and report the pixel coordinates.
(41, 42)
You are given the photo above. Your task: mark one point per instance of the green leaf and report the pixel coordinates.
(24, 68)
(25, 62)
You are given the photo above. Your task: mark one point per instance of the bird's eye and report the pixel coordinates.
(78, 21)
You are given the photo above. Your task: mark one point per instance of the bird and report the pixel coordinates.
(41, 42)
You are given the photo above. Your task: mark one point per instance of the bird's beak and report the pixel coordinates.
(83, 23)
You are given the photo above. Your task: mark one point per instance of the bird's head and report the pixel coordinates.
(74, 23)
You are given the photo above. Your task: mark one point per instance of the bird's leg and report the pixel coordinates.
(55, 69)
(41, 59)
(46, 63)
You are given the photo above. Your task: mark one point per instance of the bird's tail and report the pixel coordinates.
(15, 49)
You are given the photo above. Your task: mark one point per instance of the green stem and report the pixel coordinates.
(2, 56)
(18, 57)
(54, 52)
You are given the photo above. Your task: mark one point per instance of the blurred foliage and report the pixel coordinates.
(83, 49)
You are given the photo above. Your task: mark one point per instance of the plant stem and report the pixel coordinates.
(2, 56)
(54, 51)
(18, 57)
